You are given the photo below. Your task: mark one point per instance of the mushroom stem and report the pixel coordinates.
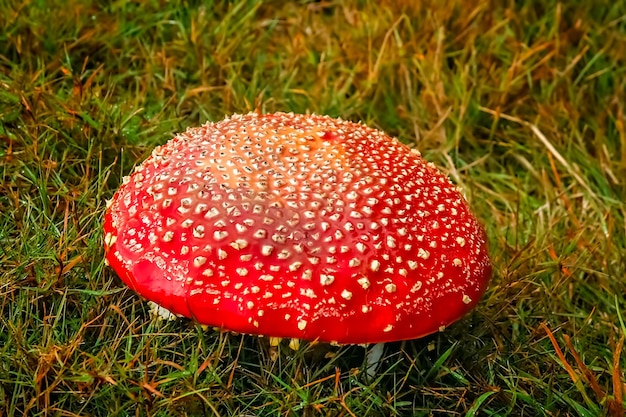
(161, 313)
(372, 358)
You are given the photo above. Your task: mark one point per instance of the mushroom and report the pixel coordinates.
(298, 226)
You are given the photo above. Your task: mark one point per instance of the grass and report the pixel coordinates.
(521, 103)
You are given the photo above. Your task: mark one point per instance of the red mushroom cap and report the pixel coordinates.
(298, 226)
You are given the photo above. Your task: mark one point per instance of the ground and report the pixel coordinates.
(520, 103)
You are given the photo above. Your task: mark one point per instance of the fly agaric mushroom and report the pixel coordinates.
(298, 226)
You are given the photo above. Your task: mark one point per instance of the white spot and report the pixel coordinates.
(250, 305)
(390, 288)
(375, 265)
(294, 266)
(279, 237)
(354, 262)
(168, 236)
(388, 328)
(239, 244)
(302, 324)
(242, 272)
(308, 292)
(457, 262)
(198, 231)
(200, 208)
(364, 282)
(466, 299)
(424, 254)
(460, 241)
(213, 212)
(326, 279)
(266, 250)
(110, 239)
(218, 235)
(199, 261)
(366, 309)
(346, 294)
